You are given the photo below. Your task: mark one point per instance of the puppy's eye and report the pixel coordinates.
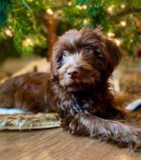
(65, 54)
(88, 51)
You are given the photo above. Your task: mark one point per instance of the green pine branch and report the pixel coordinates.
(24, 17)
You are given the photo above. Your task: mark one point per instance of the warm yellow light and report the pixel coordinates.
(131, 40)
(84, 6)
(28, 40)
(123, 6)
(49, 11)
(123, 23)
(117, 42)
(79, 7)
(8, 32)
(69, 3)
(110, 9)
(111, 34)
(85, 21)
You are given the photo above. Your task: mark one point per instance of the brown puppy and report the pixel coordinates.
(77, 88)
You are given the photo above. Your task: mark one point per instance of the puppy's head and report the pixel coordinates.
(83, 59)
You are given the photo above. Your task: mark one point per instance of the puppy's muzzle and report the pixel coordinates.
(73, 72)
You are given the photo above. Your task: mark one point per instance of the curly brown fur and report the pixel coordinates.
(77, 88)
(123, 99)
(131, 83)
(130, 90)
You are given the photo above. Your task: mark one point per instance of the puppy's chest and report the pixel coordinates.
(83, 102)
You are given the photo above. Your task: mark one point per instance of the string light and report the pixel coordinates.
(123, 23)
(123, 6)
(28, 40)
(79, 7)
(49, 11)
(110, 34)
(69, 3)
(8, 32)
(117, 42)
(110, 9)
(84, 6)
(85, 21)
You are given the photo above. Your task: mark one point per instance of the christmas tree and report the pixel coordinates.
(28, 21)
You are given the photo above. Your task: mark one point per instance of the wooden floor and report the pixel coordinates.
(55, 144)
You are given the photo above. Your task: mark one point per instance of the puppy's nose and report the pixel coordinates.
(73, 72)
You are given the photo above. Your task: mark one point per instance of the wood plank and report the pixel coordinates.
(55, 144)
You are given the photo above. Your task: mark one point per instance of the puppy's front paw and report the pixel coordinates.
(73, 127)
(76, 127)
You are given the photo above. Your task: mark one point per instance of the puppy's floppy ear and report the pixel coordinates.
(53, 74)
(115, 55)
(98, 30)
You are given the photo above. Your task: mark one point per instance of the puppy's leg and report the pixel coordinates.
(13, 95)
(121, 134)
(6, 99)
(7, 91)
